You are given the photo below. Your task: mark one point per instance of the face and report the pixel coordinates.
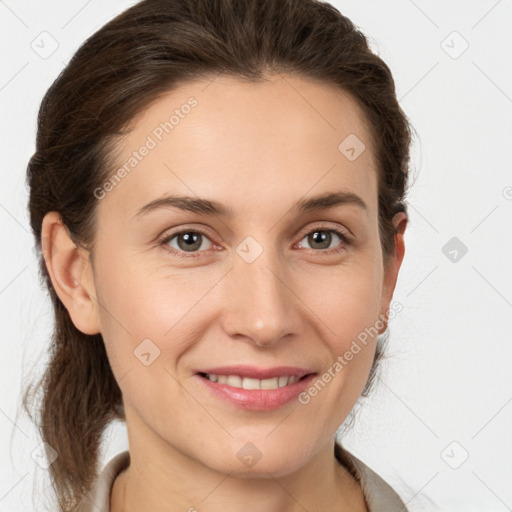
(257, 288)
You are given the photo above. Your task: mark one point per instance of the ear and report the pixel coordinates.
(71, 274)
(393, 266)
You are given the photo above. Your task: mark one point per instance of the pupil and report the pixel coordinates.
(321, 237)
(191, 241)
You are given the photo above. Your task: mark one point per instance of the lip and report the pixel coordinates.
(257, 399)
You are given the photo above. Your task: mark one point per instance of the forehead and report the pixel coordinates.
(229, 138)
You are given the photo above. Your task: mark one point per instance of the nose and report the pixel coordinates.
(261, 305)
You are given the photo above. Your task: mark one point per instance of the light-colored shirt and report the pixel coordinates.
(379, 495)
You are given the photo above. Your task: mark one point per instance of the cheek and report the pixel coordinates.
(346, 299)
(347, 302)
(140, 303)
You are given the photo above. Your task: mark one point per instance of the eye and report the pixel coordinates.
(190, 241)
(322, 239)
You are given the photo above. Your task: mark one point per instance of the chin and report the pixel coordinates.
(250, 462)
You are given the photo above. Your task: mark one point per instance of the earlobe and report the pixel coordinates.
(400, 221)
(71, 274)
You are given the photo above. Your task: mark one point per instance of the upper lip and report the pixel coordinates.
(258, 373)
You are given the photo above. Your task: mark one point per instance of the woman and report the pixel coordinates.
(189, 159)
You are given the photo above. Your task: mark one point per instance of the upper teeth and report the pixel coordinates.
(249, 383)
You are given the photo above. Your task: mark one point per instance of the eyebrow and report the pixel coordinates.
(210, 207)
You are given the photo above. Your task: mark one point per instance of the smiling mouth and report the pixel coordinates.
(237, 381)
(256, 388)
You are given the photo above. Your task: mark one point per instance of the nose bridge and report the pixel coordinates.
(261, 304)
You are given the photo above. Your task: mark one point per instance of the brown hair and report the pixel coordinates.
(141, 54)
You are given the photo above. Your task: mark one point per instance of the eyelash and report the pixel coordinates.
(345, 241)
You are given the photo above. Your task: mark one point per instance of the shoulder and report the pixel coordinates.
(98, 498)
(379, 495)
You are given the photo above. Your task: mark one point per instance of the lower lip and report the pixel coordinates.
(257, 399)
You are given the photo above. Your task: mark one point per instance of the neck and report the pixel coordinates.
(163, 478)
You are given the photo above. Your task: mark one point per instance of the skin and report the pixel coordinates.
(257, 148)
